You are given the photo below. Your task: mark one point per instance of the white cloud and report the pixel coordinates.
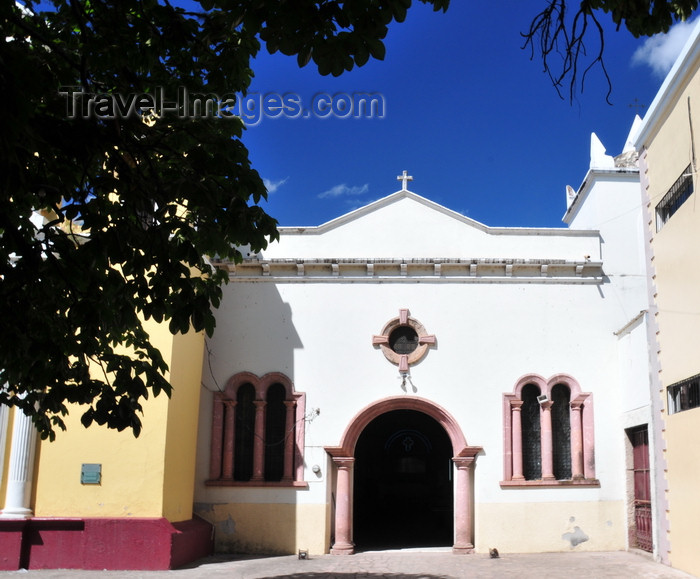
(661, 50)
(344, 190)
(272, 186)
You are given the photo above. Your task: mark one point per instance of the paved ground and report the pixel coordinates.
(399, 564)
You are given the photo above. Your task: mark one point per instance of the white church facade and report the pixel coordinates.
(404, 376)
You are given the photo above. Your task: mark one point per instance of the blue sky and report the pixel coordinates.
(467, 114)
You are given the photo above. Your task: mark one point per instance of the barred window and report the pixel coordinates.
(548, 433)
(532, 452)
(275, 432)
(257, 432)
(678, 194)
(245, 432)
(684, 395)
(561, 432)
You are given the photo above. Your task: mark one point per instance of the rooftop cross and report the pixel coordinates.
(637, 105)
(404, 178)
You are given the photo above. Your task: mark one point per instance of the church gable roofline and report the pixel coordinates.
(406, 194)
(374, 206)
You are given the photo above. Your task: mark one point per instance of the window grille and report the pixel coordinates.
(561, 432)
(532, 453)
(245, 433)
(684, 395)
(275, 433)
(678, 194)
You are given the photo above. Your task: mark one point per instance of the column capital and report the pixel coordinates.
(516, 404)
(467, 457)
(576, 404)
(547, 406)
(344, 461)
(464, 461)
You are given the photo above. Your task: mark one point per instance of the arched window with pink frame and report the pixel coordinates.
(549, 437)
(257, 436)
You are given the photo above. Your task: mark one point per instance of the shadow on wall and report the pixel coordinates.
(255, 333)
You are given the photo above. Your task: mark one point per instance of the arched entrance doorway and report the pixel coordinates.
(344, 459)
(403, 483)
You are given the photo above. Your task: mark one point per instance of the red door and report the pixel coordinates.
(642, 488)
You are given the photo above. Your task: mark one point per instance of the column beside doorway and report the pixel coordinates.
(464, 513)
(343, 544)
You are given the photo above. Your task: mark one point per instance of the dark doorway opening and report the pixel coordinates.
(403, 493)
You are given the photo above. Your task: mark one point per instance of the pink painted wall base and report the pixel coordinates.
(147, 544)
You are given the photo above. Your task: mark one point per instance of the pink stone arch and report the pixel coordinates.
(546, 385)
(344, 457)
(261, 384)
(366, 415)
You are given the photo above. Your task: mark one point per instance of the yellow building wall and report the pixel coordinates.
(676, 263)
(550, 527)
(6, 456)
(148, 476)
(181, 437)
(271, 528)
(132, 469)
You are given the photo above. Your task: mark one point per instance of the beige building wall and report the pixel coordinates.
(274, 528)
(571, 525)
(669, 143)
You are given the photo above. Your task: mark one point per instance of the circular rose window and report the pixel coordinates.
(404, 341)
